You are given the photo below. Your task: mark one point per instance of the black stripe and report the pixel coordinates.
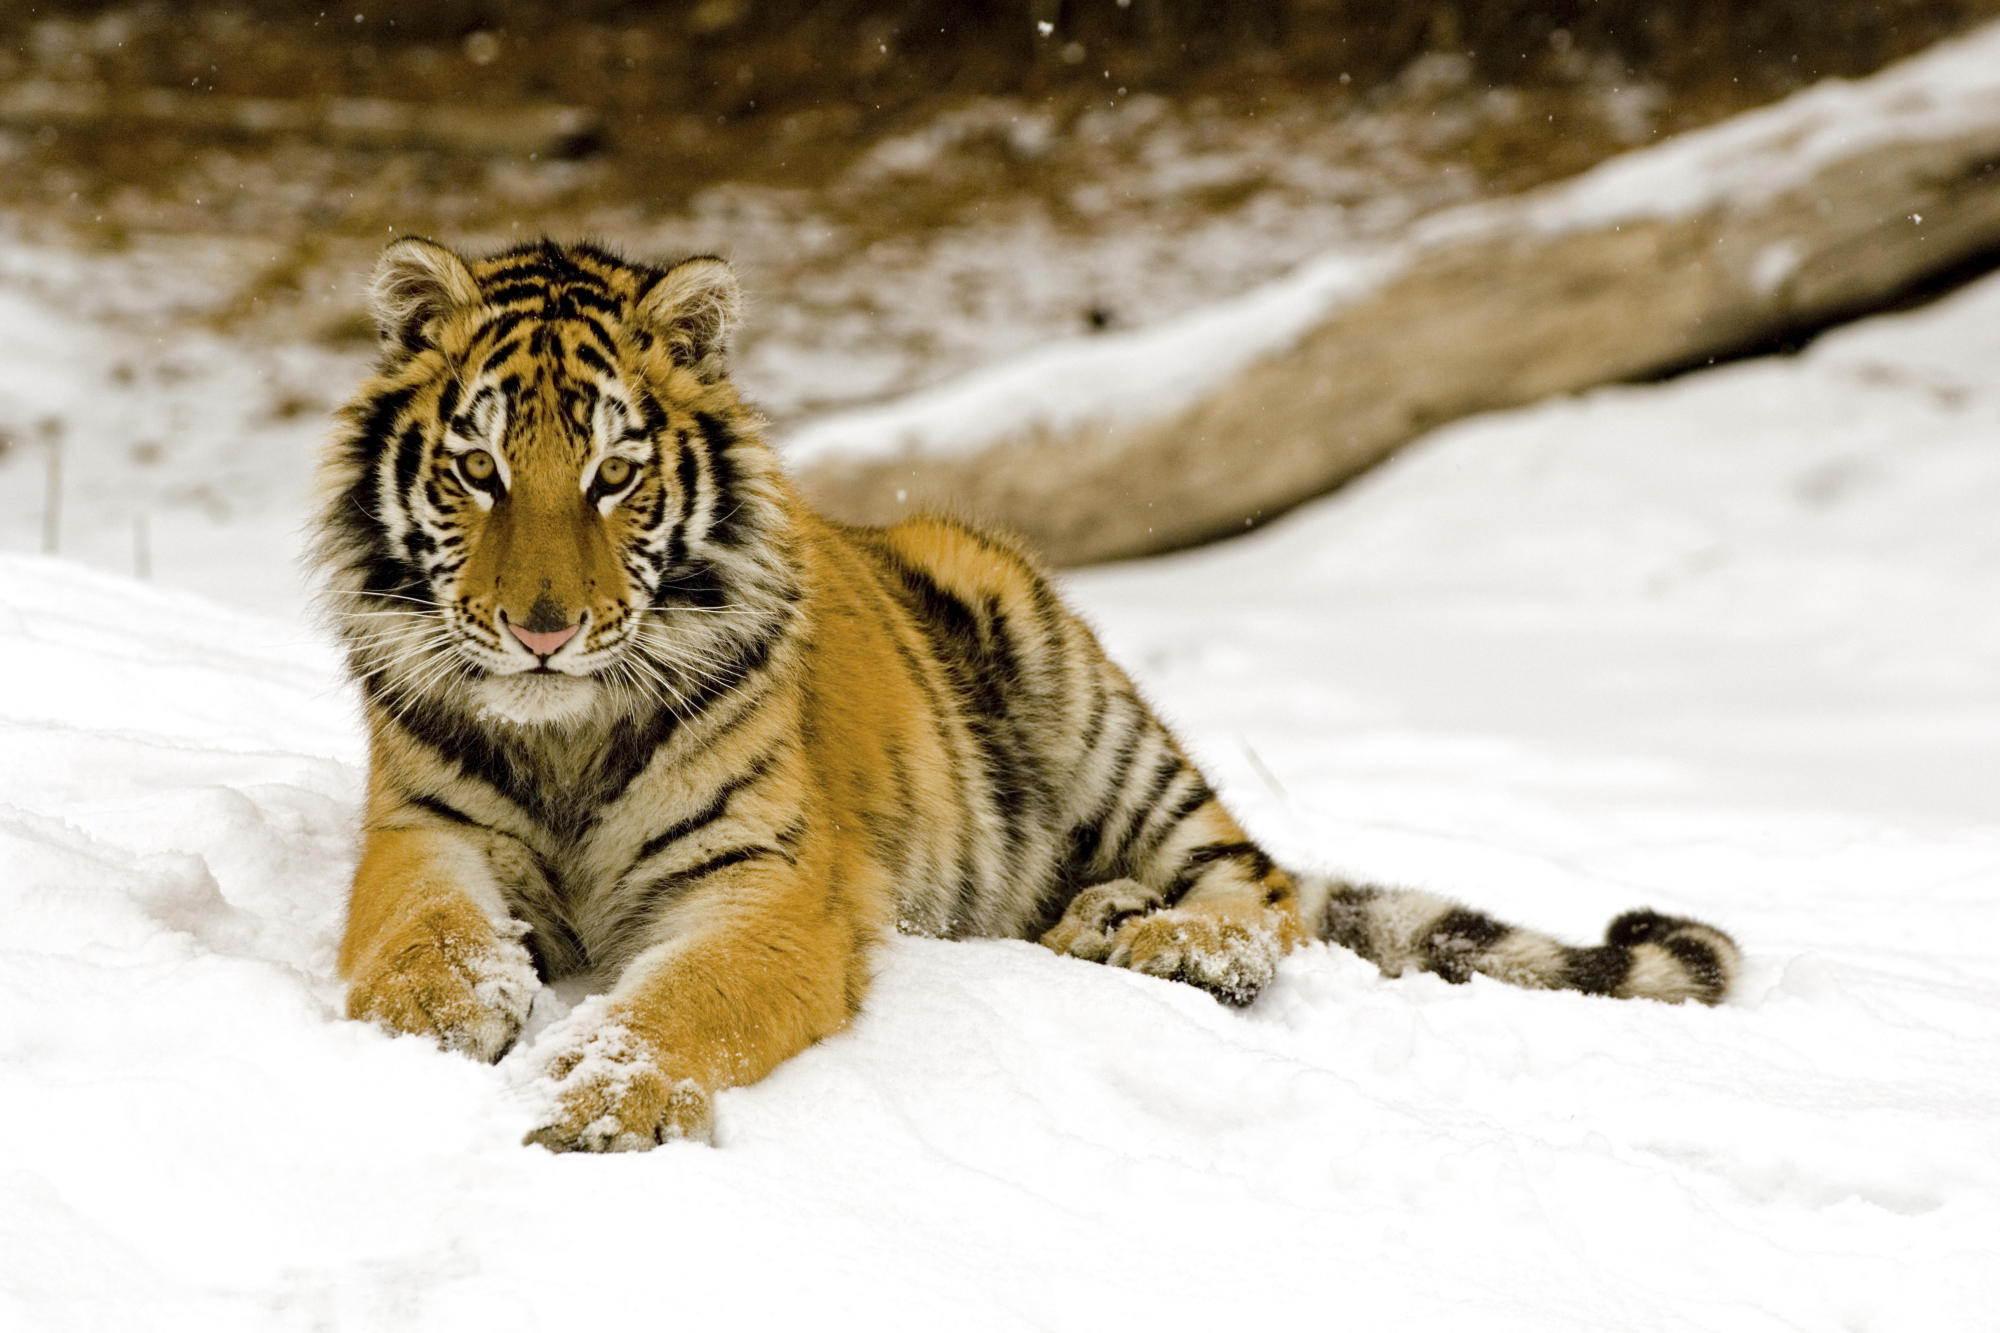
(725, 517)
(1638, 927)
(499, 354)
(701, 584)
(633, 744)
(359, 515)
(663, 890)
(655, 416)
(1001, 667)
(501, 327)
(389, 575)
(573, 956)
(1086, 839)
(360, 511)
(1015, 783)
(1201, 858)
(659, 842)
(979, 658)
(508, 293)
(1704, 966)
(1100, 708)
(1195, 799)
(889, 580)
(447, 402)
(594, 338)
(952, 628)
(654, 513)
(1597, 971)
(1466, 926)
(1144, 810)
(375, 422)
(439, 808)
(474, 752)
(1049, 617)
(689, 476)
(409, 456)
(527, 268)
(595, 299)
(1454, 941)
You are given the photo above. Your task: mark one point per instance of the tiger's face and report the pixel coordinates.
(561, 482)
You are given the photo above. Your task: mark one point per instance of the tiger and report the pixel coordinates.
(636, 713)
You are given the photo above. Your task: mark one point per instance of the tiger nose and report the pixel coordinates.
(541, 645)
(546, 629)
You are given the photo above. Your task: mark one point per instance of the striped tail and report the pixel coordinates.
(1645, 955)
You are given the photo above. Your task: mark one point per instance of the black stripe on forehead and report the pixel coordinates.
(494, 358)
(518, 293)
(597, 300)
(578, 277)
(579, 401)
(592, 333)
(563, 297)
(497, 329)
(548, 385)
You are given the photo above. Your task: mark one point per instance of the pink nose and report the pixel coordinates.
(541, 645)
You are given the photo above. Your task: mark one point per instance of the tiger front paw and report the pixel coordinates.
(605, 1091)
(1231, 959)
(469, 995)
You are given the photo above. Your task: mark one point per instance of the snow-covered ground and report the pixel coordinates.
(1726, 646)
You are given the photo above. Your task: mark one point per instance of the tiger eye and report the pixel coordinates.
(478, 466)
(614, 472)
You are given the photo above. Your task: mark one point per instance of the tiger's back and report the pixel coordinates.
(635, 708)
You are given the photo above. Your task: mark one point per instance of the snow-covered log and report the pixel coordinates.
(1821, 206)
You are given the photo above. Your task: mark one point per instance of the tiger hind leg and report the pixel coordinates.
(1089, 928)
(1182, 893)
(1228, 946)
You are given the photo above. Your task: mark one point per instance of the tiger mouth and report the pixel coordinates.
(576, 662)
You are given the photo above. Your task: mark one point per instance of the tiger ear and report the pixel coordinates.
(415, 282)
(694, 307)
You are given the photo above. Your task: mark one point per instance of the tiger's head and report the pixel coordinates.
(549, 503)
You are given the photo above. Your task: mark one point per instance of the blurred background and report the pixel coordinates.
(911, 189)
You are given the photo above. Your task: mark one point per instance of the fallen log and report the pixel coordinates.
(1823, 206)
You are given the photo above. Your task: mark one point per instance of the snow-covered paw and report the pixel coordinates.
(470, 995)
(1088, 930)
(1231, 960)
(604, 1091)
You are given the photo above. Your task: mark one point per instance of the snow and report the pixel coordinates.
(179, 450)
(1168, 367)
(1724, 646)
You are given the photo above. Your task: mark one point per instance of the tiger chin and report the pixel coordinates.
(634, 709)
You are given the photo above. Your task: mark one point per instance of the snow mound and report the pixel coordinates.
(1724, 647)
